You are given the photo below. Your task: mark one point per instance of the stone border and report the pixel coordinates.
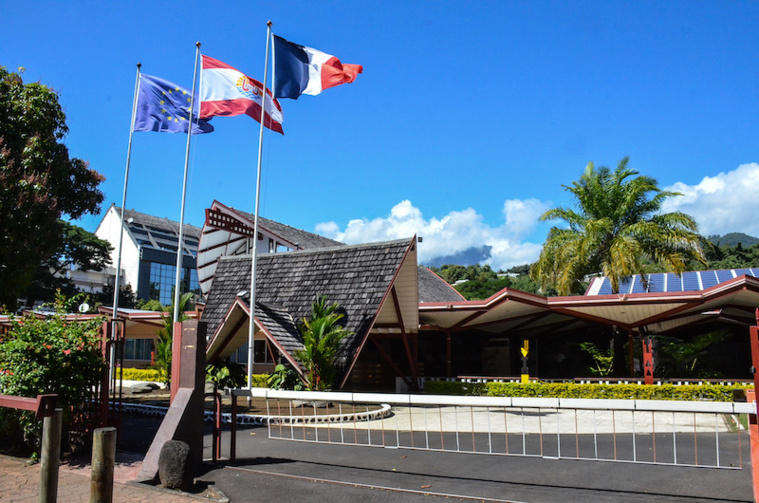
(261, 420)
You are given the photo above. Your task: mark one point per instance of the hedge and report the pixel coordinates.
(711, 392)
(131, 374)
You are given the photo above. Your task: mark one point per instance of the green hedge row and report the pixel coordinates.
(712, 392)
(130, 374)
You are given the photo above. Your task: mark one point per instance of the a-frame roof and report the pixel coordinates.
(359, 278)
(235, 239)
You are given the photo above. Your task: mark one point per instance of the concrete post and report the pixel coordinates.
(103, 460)
(51, 456)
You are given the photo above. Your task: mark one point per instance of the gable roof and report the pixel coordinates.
(236, 238)
(156, 232)
(358, 277)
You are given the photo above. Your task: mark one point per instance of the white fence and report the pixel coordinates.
(704, 434)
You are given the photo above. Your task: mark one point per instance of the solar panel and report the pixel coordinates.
(724, 275)
(605, 287)
(755, 272)
(656, 282)
(708, 279)
(741, 272)
(690, 282)
(674, 283)
(637, 285)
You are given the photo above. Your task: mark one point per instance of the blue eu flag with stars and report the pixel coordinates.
(165, 106)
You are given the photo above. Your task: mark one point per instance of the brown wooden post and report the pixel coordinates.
(103, 461)
(631, 353)
(50, 457)
(448, 355)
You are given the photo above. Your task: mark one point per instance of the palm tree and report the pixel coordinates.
(321, 344)
(615, 231)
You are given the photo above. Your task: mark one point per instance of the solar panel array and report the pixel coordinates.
(691, 281)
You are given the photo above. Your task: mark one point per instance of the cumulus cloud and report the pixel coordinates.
(455, 232)
(723, 203)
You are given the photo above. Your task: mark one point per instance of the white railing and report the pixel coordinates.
(679, 433)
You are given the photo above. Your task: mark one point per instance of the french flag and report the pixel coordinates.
(303, 70)
(227, 91)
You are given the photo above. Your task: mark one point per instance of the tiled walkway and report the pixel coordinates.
(19, 482)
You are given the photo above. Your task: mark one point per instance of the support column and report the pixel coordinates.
(753, 427)
(648, 361)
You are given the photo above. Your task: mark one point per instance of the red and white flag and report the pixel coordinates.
(226, 91)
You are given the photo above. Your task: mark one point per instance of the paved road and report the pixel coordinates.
(268, 468)
(284, 470)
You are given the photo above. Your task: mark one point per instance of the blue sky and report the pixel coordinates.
(467, 120)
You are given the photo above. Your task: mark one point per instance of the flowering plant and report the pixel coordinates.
(50, 355)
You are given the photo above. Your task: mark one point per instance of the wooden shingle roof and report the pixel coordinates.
(433, 288)
(357, 277)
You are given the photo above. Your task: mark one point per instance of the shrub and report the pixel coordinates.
(50, 356)
(712, 392)
(131, 374)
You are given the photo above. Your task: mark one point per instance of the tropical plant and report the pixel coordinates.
(285, 377)
(676, 358)
(165, 337)
(321, 344)
(603, 359)
(615, 230)
(50, 355)
(226, 374)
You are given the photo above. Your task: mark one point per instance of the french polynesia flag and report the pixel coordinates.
(303, 70)
(228, 92)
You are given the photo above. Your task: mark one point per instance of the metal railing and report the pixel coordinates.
(697, 434)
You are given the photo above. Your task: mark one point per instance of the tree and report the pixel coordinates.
(616, 229)
(321, 344)
(77, 247)
(39, 183)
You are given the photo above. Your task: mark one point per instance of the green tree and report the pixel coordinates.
(615, 230)
(166, 336)
(39, 183)
(321, 344)
(78, 247)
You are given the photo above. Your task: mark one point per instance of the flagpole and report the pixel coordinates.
(116, 283)
(180, 244)
(251, 327)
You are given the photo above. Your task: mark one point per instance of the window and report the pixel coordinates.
(261, 352)
(138, 349)
(162, 282)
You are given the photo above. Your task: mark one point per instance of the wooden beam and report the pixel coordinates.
(409, 355)
(390, 361)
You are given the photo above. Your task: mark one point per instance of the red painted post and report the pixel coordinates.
(648, 361)
(753, 427)
(176, 359)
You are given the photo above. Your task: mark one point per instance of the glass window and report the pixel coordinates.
(138, 349)
(162, 282)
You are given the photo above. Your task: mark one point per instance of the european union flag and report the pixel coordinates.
(165, 106)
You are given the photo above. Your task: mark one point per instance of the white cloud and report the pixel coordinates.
(723, 203)
(452, 233)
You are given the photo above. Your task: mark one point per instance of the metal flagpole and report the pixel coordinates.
(116, 283)
(251, 327)
(180, 244)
